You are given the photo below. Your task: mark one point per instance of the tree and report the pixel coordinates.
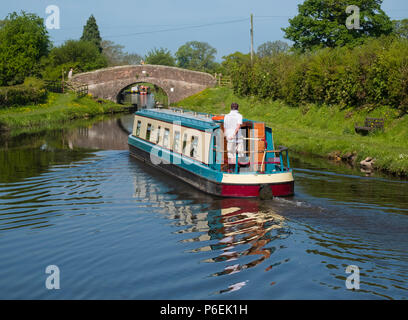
(116, 56)
(196, 55)
(131, 58)
(322, 23)
(81, 55)
(160, 56)
(113, 52)
(24, 43)
(401, 28)
(269, 48)
(91, 33)
(232, 63)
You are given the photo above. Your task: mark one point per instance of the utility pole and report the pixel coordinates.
(252, 38)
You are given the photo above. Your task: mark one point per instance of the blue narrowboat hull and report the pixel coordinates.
(200, 175)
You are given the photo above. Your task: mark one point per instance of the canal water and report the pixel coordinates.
(117, 229)
(140, 100)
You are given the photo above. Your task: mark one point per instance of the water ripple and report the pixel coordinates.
(120, 230)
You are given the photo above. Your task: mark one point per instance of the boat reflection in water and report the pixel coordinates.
(244, 232)
(242, 222)
(240, 232)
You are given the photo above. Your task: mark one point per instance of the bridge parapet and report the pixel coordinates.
(176, 82)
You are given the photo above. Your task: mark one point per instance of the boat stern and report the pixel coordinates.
(249, 185)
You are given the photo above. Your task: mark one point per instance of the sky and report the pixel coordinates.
(141, 26)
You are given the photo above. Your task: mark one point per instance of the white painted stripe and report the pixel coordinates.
(257, 178)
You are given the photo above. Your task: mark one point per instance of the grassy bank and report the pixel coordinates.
(319, 130)
(59, 108)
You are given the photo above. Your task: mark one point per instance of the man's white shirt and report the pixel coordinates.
(231, 121)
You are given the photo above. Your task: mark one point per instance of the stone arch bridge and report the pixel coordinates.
(177, 83)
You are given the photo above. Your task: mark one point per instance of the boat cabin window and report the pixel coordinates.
(148, 131)
(151, 134)
(184, 143)
(166, 138)
(193, 149)
(158, 134)
(176, 141)
(139, 124)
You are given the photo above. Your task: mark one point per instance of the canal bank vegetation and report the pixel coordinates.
(318, 129)
(368, 76)
(32, 91)
(57, 109)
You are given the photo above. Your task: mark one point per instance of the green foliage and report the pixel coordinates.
(91, 33)
(401, 28)
(34, 83)
(31, 92)
(322, 23)
(57, 109)
(232, 62)
(369, 76)
(131, 59)
(81, 55)
(54, 72)
(160, 56)
(24, 43)
(195, 55)
(116, 56)
(236, 66)
(272, 48)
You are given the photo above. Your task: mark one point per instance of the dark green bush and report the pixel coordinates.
(372, 74)
(31, 92)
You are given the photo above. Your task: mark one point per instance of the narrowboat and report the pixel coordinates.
(134, 89)
(144, 90)
(191, 147)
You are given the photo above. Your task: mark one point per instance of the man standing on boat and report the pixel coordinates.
(235, 142)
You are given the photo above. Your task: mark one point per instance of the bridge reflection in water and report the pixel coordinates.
(110, 134)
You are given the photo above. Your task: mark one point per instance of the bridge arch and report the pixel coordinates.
(151, 81)
(177, 83)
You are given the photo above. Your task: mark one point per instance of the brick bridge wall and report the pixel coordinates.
(177, 83)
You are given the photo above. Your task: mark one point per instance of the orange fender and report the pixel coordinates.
(215, 118)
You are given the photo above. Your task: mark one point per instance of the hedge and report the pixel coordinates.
(31, 92)
(371, 75)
